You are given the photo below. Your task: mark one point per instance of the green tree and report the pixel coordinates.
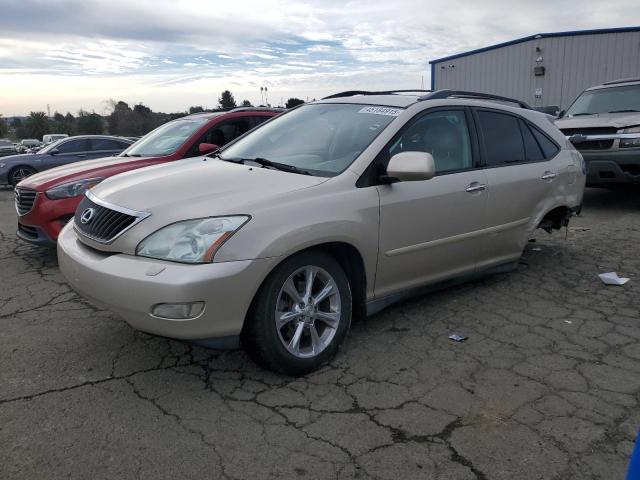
(226, 100)
(246, 103)
(4, 128)
(37, 125)
(89, 123)
(20, 129)
(292, 102)
(196, 109)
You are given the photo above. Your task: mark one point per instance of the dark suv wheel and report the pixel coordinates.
(301, 314)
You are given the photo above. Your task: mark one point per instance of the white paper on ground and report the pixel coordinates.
(612, 278)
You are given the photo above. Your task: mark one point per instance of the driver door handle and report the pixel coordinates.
(548, 175)
(476, 187)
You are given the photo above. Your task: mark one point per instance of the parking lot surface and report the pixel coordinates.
(545, 387)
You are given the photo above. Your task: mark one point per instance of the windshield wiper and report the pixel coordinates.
(582, 113)
(629, 110)
(278, 166)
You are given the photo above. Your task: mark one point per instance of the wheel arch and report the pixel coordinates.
(351, 261)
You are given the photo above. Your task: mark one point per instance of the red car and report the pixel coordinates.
(46, 201)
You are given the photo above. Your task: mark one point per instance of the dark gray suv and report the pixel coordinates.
(604, 124)
(15, 168)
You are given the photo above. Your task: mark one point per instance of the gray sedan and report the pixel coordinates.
(14, 168)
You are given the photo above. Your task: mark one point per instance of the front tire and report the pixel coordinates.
(300, 316)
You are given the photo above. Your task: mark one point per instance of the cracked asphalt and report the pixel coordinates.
(546, 386)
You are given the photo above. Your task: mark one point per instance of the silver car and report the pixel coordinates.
(330, 211)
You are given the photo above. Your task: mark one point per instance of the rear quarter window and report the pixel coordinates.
(549, 148)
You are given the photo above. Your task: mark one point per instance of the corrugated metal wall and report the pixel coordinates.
(572, 64)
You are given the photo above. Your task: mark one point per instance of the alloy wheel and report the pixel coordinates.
(308, 311)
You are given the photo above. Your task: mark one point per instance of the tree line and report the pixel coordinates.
(123, 120)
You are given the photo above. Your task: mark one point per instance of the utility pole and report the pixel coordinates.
(48, 110)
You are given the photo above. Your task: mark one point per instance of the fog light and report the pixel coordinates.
(177, 311)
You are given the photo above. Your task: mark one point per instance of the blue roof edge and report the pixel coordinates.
(536, 36)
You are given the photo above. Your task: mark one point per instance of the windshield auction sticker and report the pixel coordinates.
(393, 112)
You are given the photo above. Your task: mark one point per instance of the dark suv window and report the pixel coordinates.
(443, 134)
(74, 146)
(221, 134)
(532, 149)
(107, 144)
(258, 120)
(549, 148)
(502, 138)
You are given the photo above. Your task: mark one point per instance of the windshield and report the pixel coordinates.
(607, 100)
(322, 138)
(165, 139)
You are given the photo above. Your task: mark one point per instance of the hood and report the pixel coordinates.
(19, 158)
(617, 120)
(98, 168)
(200, 187)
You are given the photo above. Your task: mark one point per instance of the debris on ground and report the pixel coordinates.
(457, 338)
(568, 322)
(612, 278)
(536, 249)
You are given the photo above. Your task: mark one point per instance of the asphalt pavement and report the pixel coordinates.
(546, 386)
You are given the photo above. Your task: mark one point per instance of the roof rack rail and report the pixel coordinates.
(351, 93)
(255, 109)
(621, 80)
(441, 94)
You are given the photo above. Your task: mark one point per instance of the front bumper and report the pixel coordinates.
(42, 224)
(34, 235)
(131, 286)
(612, 166)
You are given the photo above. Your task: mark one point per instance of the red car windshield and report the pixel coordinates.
(165, 139)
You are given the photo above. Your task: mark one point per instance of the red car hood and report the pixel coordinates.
(98, 168)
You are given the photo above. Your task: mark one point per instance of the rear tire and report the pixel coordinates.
(294, 328)
(20, 173)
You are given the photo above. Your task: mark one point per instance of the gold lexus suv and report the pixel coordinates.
(331, 210)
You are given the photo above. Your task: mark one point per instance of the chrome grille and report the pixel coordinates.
(104, 224)
(25, 198)
(592, 144)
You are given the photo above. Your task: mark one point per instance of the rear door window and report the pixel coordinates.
(502, 139)
(99, 144)
(74, 146)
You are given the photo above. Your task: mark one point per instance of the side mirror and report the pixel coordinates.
(205, 148)
(561, 114)
(410, 167)
(55, 151)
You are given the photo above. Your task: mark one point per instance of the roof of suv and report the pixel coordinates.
(616, 83)
(405, 98)
(233, 110)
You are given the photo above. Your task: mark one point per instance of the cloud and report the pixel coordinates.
(171, 51)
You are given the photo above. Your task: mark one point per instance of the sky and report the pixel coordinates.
(173, 54)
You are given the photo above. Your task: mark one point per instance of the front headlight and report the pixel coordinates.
(72, 189)
(630, 142)
(191, 241)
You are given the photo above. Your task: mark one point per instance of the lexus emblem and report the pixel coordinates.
(87, 215)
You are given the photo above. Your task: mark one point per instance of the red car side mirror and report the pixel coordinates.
(205, 148)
